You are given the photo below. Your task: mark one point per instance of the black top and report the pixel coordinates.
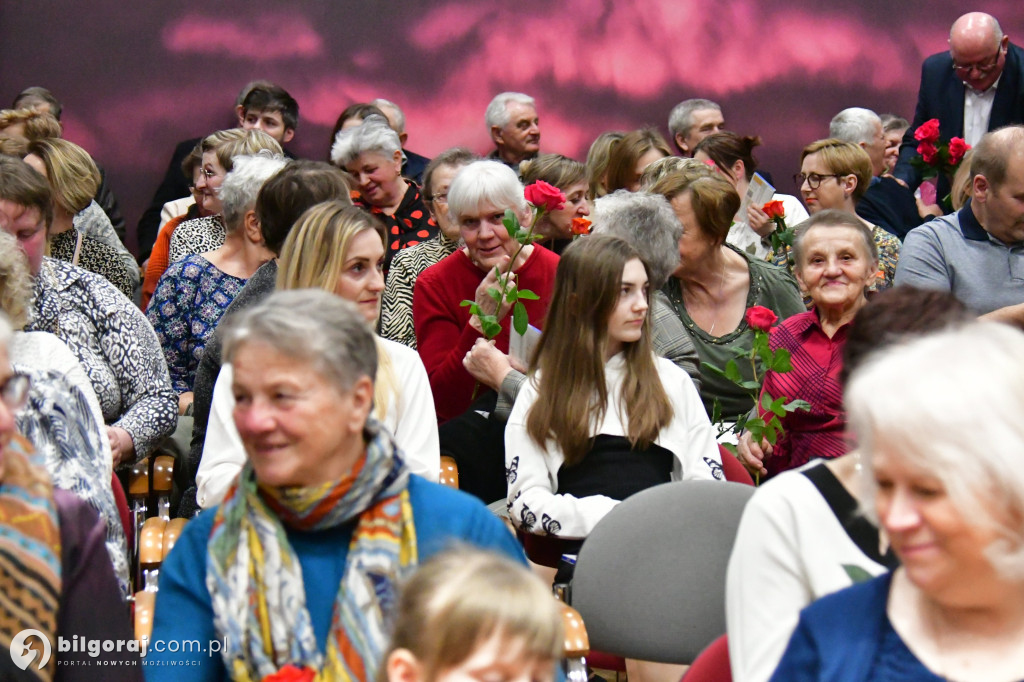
(613, 469)
(863, 533)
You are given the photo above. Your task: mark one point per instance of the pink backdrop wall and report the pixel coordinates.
(135, 78)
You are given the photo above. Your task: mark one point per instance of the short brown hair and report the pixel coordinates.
(992, 154)
(843, 158)
(288, 194)
(22, 185)
(713, 198)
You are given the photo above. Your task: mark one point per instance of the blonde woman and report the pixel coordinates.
(338, 248)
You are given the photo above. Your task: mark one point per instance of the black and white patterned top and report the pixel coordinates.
(95, 256)
(115, 344)
(396, 306)
(195, 236)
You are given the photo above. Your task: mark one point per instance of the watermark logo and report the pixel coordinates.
(23, 655)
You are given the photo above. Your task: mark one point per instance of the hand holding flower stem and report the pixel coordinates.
(767, 425)
(544, 198)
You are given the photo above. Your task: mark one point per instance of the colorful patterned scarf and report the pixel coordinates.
(255, 580)
(29, 551)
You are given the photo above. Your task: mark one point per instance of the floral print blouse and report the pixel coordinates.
(189, 301)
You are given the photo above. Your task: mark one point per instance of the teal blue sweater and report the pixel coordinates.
(442, 516)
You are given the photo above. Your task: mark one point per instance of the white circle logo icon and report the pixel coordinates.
(23, 655)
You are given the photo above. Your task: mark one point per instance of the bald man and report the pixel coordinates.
(975, 87)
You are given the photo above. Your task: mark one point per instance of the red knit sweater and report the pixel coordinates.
(443, 332)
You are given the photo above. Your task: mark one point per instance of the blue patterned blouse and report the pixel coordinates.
(189, 301)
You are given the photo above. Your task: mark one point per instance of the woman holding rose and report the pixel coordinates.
(716, 283)
(836, 262)
(733, 156)
(445, 329)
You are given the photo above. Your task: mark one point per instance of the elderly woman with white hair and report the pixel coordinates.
(947, 487)
(194, 292)
(445, 330)
(372, 154)
(300, 564)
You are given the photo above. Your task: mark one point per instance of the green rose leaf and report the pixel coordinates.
(714, 369)
(520, 320)
(794, 405)
(511, 222)
(527, 295)
(856, 573)
(732, 372)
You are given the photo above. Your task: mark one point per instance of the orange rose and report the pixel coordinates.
(580, 226)
(774, 209)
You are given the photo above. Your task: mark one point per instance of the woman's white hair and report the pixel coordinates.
(238, 191)
(374, 134)
(951, 406)
(646, 221)
(490, 181)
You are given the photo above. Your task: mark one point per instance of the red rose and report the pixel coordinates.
(580, 226)
(928, 131)
(928, 152)
(774, 209)
(291, 673)
(545, 196)
(957, 148)
(760, 318)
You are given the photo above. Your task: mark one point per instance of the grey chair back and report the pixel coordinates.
(650, 578)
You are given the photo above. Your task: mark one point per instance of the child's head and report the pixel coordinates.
(468, 612)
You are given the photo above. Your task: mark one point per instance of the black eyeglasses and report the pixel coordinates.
(14, 391)
(813, 179)
(981, 67)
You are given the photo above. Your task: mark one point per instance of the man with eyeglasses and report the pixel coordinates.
(975, 87)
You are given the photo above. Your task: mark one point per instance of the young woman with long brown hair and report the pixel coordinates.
(602, 417)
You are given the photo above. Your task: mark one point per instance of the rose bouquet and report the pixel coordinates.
(767, 425)
(935, 157)
(543, 198)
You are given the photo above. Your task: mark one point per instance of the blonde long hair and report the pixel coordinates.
(312, 258)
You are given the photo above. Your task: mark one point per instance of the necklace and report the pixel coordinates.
(718, 299)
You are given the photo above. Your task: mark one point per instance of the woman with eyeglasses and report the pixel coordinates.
(56, 580)
(218, 150)
(835, 174)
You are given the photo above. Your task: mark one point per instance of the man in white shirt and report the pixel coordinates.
(975, 87)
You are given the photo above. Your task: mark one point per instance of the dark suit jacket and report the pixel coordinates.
(414, 166)
(941, 96)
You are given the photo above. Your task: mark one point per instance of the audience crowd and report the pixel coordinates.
(312, 341)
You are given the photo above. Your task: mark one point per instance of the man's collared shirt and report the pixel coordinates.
(954, 253)
(978, 111)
